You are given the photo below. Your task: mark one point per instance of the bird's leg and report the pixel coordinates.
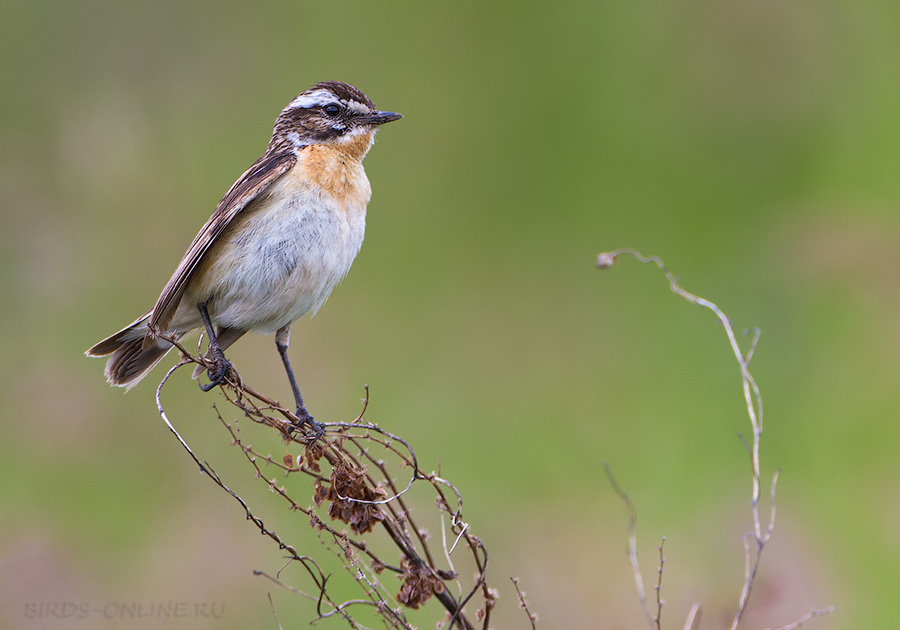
(282, 340)
(222, 365)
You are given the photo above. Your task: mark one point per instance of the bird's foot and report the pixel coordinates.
(222, 367)
(303, 418)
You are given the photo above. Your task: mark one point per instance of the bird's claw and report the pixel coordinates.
(222, 368)
(303, 417)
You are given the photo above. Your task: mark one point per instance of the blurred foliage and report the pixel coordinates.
(754, 146)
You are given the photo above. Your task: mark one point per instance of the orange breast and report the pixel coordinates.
(335, 173)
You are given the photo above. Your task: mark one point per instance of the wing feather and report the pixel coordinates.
(253, 183)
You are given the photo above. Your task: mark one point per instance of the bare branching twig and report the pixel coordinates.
(361, 491)
(354, 487)
(754, 543)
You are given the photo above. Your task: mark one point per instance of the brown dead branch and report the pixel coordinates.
(349, 497)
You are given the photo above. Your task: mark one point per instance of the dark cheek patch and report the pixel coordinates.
(321, 129)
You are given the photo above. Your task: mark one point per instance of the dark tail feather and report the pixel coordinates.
(130, 360)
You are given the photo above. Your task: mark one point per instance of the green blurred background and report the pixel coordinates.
(753, 145)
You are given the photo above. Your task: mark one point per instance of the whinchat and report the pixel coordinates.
(274, 248)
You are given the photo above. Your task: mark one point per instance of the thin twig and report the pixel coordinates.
(345, 447)
(754, 407)
(632, 545)
(659, 571)
(274, 612)
(808, 616)
(521, 597)
(693, 619)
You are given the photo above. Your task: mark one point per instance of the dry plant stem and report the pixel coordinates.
(753, 401)
(659, 572)
(346, 447)
(632, 545)
(308, 563)
(693, 619)
(274, 612)
(808, 616)
(521, 597)
(340, 609)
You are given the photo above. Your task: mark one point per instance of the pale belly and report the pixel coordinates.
(275, 264)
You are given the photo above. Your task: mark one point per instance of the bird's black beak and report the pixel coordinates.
(379, 118)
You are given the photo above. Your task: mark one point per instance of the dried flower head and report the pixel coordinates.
(419, 583)
(351, 497)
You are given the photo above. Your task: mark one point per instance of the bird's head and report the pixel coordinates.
(331, 113)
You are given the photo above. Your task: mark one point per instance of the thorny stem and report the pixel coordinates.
(308, 563)
(659, 570)
(263, 410)
(521, 597)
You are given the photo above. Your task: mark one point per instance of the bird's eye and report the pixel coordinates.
(331, 109)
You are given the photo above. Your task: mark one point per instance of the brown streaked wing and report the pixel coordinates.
(258, 178)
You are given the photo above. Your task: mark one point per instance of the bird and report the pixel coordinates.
(283, 236)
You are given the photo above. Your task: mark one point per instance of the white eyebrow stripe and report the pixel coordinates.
(357, 107)
(320, 98)
(316, 98)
